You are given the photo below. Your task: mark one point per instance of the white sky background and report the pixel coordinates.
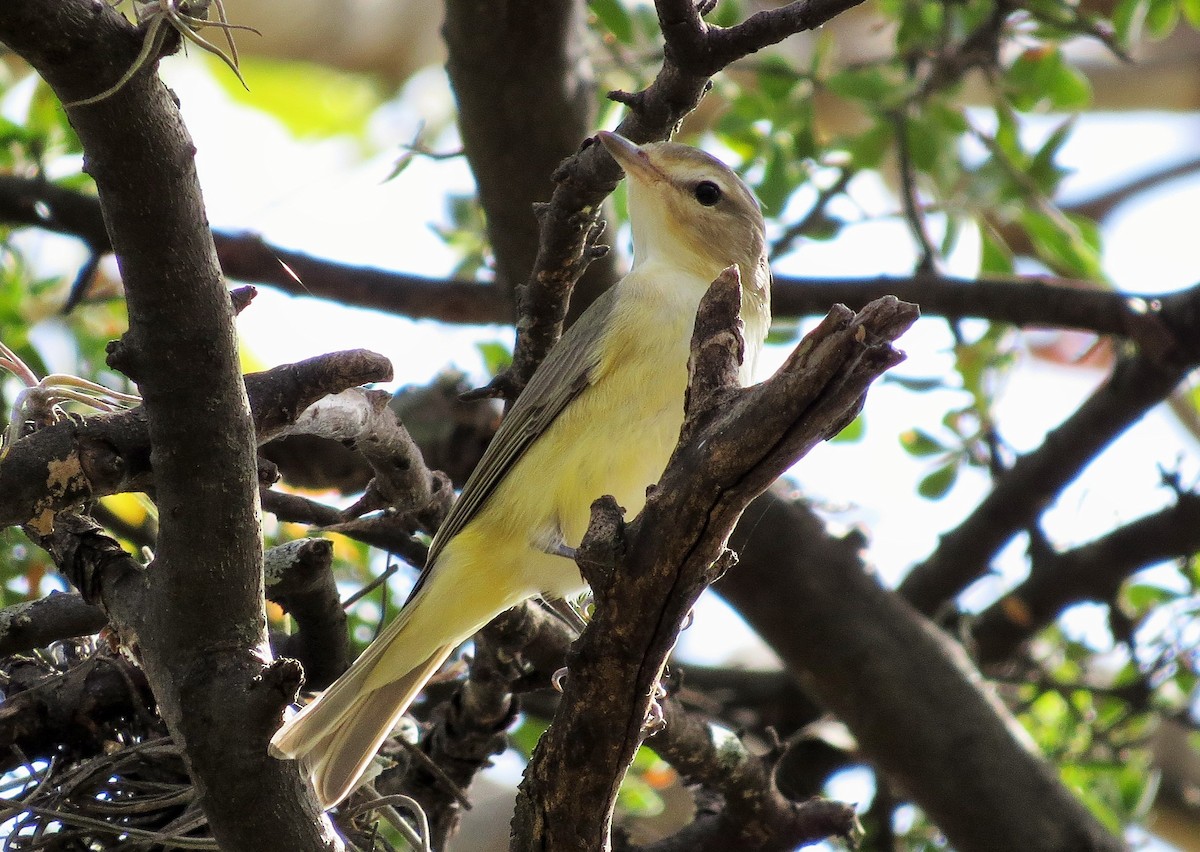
(323, 199)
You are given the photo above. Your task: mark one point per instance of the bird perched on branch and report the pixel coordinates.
(600, 416)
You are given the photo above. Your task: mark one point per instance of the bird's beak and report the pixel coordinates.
(633, 160)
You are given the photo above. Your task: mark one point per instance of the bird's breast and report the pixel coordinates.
(614, 438)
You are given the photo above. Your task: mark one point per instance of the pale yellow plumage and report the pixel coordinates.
(600, 416)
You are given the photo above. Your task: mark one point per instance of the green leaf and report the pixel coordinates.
(1128, 18)
(496, 356)
(615, 18)
(776, 78)
(1140, 598)
(402, 162)
(869, 83)
(995, 257)
(925, 144)
(1063, 244)
(1044, 170)
(312, 101)
(636, 798)
(867, 149)
(783, 330)
(1040, 78)
(777, 183)
(1161, 18)
(526, 735)
(914, 383)
(920, 27)
(1008, 133)
(937, 484)
(726, 14)
(1191, 11)
(853, 431)
(917, 442)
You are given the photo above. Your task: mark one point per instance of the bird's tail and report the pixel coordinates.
(335, 736)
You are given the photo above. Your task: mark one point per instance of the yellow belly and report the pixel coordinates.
(614, 438)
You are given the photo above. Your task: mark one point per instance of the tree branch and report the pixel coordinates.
(1023, 492)
(754, 815)
(1029, 301)
(733, 444)
(526, 97)
(299, 577)
(74, 460)
(914, 703)
(201, 631)
(1091, 572)
(35, 624)
(248, 257)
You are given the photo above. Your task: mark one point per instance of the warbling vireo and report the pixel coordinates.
(600, 416)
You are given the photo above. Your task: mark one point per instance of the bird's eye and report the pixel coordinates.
(707, 193)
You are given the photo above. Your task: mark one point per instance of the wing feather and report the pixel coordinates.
(566, 372)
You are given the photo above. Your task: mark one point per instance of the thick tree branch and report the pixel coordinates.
(1030, 301)
(909, 695)
(1036, 301)
(299, 577)
(62, 465)
(247, 257)
(733, 444)
(1091, 572)
(201, 631)
(36, 624)
(526, 98)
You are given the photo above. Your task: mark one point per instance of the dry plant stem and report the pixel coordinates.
(62, 465)
(917, 707)
(44, 708)
(387, 532)
(734, 443)
(200, 626)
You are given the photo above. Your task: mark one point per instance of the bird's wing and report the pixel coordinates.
(566, 372)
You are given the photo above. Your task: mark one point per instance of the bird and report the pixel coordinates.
(601, 415)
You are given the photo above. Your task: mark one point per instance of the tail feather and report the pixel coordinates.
(337, 734)
(342, 756)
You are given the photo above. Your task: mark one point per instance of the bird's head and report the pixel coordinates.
(690, 209)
